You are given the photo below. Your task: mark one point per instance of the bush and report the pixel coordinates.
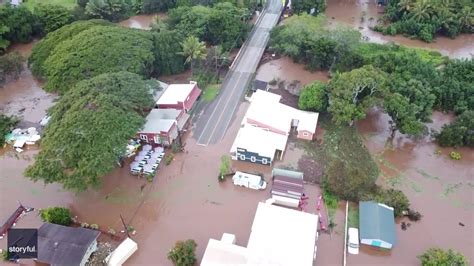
(11, 65)
(390, 197)
(22, 25)
(437, 256)
(414, 215)
(183, 253)
(6, 125)
(56, 215)
(225, 167)
(52, 17)
(455, 155)
(458, 133)
(314, 97)
(169, 158)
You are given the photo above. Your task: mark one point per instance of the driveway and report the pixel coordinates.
(213, 123)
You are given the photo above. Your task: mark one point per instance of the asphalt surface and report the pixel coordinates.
(212, 124)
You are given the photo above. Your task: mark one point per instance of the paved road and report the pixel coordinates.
(213, 123)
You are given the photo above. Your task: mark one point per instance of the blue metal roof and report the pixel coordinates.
(377, 221)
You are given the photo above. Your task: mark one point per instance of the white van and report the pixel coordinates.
(248, 180)
(353, 243)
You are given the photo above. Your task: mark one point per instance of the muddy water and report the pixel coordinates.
(285, 69)
(362, 14)
(141, 21)
(440, 188)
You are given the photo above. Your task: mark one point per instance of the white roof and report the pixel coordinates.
(122, 252)
(266, 108)
(259, 140)
(160, 120)
(279, 236)
(283, 236)
(175, 93)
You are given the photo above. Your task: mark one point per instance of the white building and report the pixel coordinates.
(279, 236)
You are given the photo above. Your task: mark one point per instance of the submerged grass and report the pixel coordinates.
(353, 216)
(210, 92)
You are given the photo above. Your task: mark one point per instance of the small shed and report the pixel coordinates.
(287, 188)
(63, 245)
(377, 224)
(260, 85)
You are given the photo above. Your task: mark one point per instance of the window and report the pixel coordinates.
(242, 157)
(144, 137)
(264, 161)
(253, 159)
(305, 134)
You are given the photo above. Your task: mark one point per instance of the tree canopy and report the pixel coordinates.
(437, 256)
(183, 253)
(314, 97)
(17, 24)
(424, 18)
(113, 10)
(52, 17)
(458, 133)
(89, 129)
(98, 50)
(43, 49)
(353, 93)
(313, 7)
(223, 24)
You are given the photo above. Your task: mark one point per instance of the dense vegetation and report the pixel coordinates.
(424, 18)
(183, 253)
(43, 49)
(89, 129)
(6, 125)
(52, 17)
(223, 24)
(437, 256)
(458, 133)
(56, 215)
(113, 10)
(313, 7)
(16, 25)
(406, 83)
(11, 65)
(98, 50)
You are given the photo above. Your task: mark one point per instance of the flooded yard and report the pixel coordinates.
(362, 14)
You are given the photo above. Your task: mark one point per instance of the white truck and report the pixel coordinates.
(256, 182)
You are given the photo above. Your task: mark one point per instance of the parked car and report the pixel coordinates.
(249, 180)
(353, 243)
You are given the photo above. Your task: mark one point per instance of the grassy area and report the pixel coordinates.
(353, 216)
(210, 92)
(371, 50)
(30, 4)
(332, 204)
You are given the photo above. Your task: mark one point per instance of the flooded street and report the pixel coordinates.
(362, 14)
(440, 188)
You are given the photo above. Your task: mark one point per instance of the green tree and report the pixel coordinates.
(56, 215)
(11, 65)
(193, 50)
(52, 17)
(98, 50)
(19, 21)
(3, 40)
(89, 130)
(314, 97)
(353, 93)
(43, 49)
(112, 10)
(314, 7)
(405, 6)
(458, 133)
(6, 125)
(437, 256)
(183, 253)
(152, 6)
(403, 115)
(167, 52)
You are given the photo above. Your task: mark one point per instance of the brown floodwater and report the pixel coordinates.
(285, 69)
(362, 14)
(437, 186)
(141, 21)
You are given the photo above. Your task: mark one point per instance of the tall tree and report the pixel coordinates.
(193, 50)
(352, 93)
(89, 130)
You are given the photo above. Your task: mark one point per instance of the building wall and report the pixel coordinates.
(376, 243)
(90, 250)
(253, 157)
(192, 97)
(178, 105)
(304, 134)
(262, 125)
(166, 141)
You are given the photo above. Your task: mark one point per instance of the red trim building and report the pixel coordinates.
(162, 126)
(179, 96)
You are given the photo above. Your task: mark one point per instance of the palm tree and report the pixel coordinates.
(422, 10)
(405, 6)
(193, 50)
(466, 18)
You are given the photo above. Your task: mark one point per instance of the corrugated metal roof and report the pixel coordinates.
(62, 245)
(377, 221)
(287, 173)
